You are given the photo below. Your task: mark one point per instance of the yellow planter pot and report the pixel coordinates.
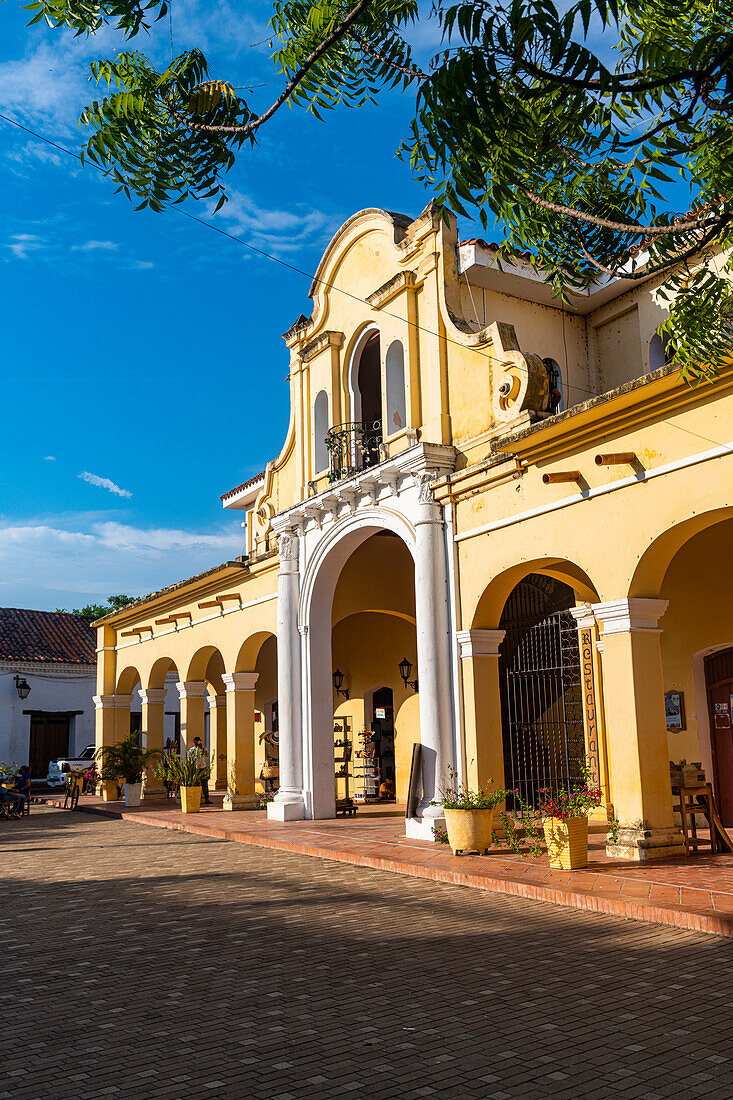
(109, 790)
(190, 799)
(567, 842)
(469, 830)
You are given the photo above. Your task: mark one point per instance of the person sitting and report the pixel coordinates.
(22, 788)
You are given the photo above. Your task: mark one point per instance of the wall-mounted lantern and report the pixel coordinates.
(22, 687)
(405, 668)
(338, 680)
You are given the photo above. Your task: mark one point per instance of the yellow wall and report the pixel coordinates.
(699, 587)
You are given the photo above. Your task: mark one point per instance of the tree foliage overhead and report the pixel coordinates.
(597, 135)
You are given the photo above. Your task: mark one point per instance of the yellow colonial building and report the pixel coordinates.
(499, 528)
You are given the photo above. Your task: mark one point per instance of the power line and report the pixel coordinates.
(299, 271)
(245, 244)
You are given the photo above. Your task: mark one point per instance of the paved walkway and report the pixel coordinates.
(142, 963)
(693, 893)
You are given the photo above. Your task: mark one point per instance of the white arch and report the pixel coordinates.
(314, 620)
(366, 522)
(353, 369)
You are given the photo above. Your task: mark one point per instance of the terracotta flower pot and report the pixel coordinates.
(190, 800)
(567, 842)
(469, 830)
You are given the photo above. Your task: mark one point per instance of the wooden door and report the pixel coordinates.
(719, 677)
(49, 739)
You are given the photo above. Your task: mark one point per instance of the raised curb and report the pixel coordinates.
(671, 915)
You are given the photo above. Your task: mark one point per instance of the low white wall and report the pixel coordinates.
(53, 691)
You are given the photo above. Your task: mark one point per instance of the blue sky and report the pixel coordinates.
(142, 355)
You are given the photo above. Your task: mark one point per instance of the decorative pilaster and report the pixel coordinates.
(433, 657)
(240, 719)
(289, 804)
(193, 695)
(480, 651)
(218, 742)
(596, 746)
(637, 730)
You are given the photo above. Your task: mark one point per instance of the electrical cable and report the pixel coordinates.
(299, 271)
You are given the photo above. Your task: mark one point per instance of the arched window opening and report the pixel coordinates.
(320, 430)
(396, 408)
(659, 354)
(556, 397)
(369, 380)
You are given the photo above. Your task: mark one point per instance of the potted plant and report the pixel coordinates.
(469, 814)
(126, 761)
(565, 823)
(188, 773)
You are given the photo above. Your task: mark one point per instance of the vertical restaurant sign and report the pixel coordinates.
(589, 704)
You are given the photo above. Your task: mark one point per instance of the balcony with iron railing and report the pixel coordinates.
(353, 447)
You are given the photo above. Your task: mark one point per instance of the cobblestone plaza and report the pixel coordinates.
(145, 963)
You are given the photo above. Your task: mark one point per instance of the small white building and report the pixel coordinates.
(48, 668)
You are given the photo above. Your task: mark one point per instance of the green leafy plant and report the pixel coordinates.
(125, 761)
(190, 770)
(457, 795)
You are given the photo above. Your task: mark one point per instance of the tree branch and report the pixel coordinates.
(618, 227)
(251, 127)
(386, 61)
(666, 265)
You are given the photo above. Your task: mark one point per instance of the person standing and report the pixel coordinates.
(199, 753)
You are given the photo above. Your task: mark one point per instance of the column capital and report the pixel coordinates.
(479, 643)
(240, 681)
(104, 702)
(216, 701)
(151, 695)
(629, 615)
(583, 615)
(122, 701)
(191, 689)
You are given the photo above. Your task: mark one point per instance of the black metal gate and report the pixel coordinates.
(542, 716)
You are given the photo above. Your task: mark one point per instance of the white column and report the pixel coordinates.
(433, 658)
(289, 804)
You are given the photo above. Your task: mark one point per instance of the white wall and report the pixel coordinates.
(52, 690)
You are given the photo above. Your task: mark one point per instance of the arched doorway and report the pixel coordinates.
(540, 682)
(719, 685)
(372, 630)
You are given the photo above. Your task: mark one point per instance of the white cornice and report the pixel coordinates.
(479, 643)
(634, 614)
(42, 668)
(371, 486)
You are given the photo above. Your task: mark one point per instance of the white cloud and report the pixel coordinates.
(46, 565)
(36, 150)
(104, 483)
(49, 458)
(266, 228)
(22, 244)
(142, 265)
(94, 246)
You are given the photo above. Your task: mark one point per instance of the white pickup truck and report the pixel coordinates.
(58, 768)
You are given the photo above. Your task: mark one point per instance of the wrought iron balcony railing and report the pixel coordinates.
(353, 447)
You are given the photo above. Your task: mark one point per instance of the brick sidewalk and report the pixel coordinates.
(694, 893)
(141, 963)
